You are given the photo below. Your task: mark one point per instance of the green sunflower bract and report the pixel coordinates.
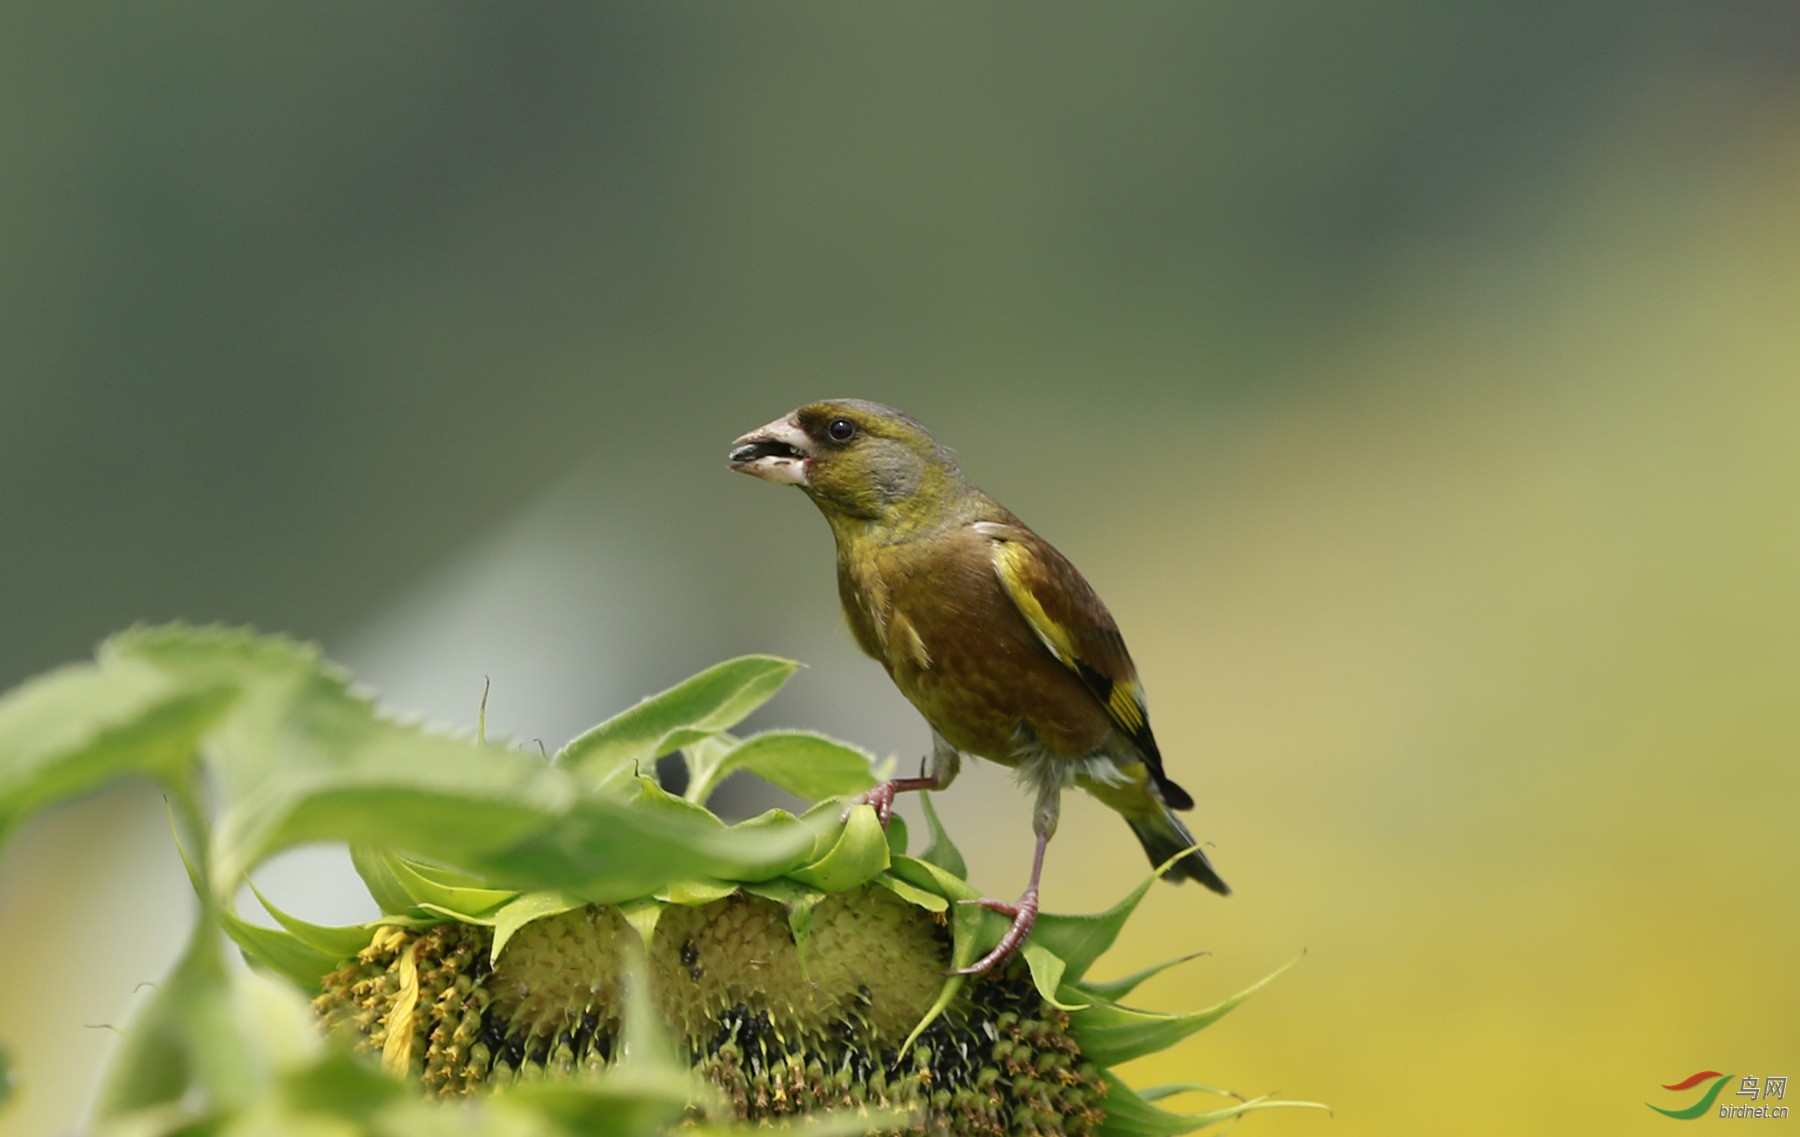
(565, 946)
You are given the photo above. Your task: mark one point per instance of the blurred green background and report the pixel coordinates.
(1420, 384)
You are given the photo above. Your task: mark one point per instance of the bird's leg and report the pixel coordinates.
(882, 796)
(940, 770)
(1024, 912)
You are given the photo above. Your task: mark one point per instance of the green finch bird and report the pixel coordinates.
(987, 629)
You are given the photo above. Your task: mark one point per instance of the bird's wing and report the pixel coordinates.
(1069, 619)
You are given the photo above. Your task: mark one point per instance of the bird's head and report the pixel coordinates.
(859, 462)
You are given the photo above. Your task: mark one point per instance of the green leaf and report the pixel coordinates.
(940, 850)
(375, 866)
(301, 757)
(896, 835)
(607, 851)
(912, 894)
(973, 929)
(351, 777)
(799, 900)
(337, 942)
(825, 821)
(695, 892)
(1047, 974)
(717, 699)
(297, 958)
(436, 887)
(454, 892)
(207, 1036)
(858, 855)
(1130, 1114)
(785, 891)
(647, 797)
(1114, 990)
(76, 728)
(1080, 940)
(1157, 1093)
(796, 838)
(282, 952)
(817, 1123)
(702, 757)
(923, 874)
(618, 1105)
(1110, 1034)
(805, 764)
(969, 929)
(531, 906)
(342, 1086)
(642, 914)
(644, 1041)
(491, 835)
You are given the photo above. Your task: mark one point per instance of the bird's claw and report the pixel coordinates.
(881, 797)
(1024, 915)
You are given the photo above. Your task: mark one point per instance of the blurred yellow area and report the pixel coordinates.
(1483, 671)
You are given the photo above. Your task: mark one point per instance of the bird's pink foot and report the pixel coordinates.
(882, 796)
(1024, 915)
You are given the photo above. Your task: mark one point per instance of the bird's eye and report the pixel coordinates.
(840, 429)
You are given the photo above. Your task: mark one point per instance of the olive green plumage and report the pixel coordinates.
(988, 630)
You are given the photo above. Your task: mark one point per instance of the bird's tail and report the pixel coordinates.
(1163, 835)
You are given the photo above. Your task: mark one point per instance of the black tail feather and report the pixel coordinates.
(1173, 795)
(1164, 836)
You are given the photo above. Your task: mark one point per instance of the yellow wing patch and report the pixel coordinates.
(1126, 707)
(1010, 560)
(1124, 700)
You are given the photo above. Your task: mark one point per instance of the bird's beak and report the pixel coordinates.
(776, 453)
